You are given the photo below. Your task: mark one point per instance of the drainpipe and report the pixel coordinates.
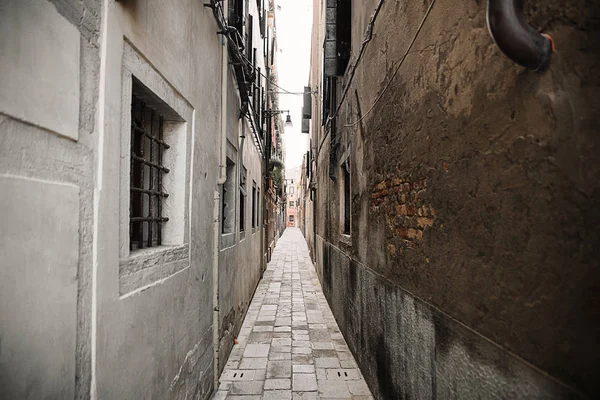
(516, 38)
(216, 236)
(217, 202)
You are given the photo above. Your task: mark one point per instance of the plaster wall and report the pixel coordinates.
(158, 329)
(49, 81)
(80, 316)
(474, 207)
(241, 253)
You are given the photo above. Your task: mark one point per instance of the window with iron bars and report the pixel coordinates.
(242, 221)
(146, 219)
(346, 197)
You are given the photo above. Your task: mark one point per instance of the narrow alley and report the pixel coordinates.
(299, 199)
(290, 345)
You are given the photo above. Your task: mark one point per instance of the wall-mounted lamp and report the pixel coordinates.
(288, 118)
(288, 121)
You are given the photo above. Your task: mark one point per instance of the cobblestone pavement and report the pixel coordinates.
(290, 346)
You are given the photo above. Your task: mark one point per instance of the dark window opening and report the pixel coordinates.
(242, 212)
(254, 201)
(346, 173)
(236, 15)
(228, 200)
(243, 200)
(291, 218)
(260, 4)
(258, 205)
(249, 37)
(343, 34)
(146, 174)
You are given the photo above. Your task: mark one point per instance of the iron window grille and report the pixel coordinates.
(254, 202)
(228, 200)
(243, 199)
(146, 176)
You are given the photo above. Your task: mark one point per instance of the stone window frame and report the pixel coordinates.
(228, 236)
(145, 266)
(259, 206)
(243, 202)
(345, 161)
(255, 207)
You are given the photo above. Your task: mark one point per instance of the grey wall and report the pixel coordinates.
(160, 334)
(475, 196)
(66, 302)
(240, 256)
(48, 104)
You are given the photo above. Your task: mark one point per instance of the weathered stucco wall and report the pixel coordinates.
(80, 315)
(50, 63)
(159, 334)
(240, 256)
(475, 205)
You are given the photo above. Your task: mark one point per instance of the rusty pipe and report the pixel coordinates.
(515, 37)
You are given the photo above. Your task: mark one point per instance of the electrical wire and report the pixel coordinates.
(412, 42)
(276, 85)
(397, 68)
(366, 40)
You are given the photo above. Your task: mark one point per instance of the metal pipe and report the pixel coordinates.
(215, 297)
(516, 38)
(217, 201)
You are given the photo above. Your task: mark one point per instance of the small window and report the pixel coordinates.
(249, 37)
(243, 199)
(291, 190)
(228, 200)
(146, 219)
(346, 197)
(291, 205)
(254, 202)
(291, 218)
(236, 15)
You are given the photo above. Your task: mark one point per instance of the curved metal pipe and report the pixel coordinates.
(516, 38)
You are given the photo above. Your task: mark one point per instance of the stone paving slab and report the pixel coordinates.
(290, 346)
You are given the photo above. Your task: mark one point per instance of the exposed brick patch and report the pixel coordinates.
(407, 213)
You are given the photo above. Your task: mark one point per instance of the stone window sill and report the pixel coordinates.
(346, 239)
(146, 266)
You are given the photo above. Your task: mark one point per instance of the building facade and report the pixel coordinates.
(292, 186)
(133, 154)
(456, 198)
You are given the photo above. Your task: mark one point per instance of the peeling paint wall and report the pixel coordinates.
(475, 204)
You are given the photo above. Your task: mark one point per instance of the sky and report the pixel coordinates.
(293, 20)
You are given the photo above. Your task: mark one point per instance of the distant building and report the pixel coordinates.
(292, 190)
